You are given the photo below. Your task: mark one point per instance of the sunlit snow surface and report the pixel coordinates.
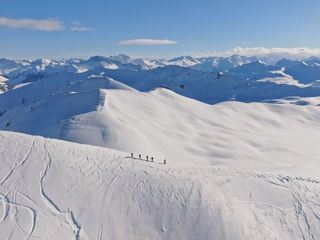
(52, 189)
(234, 170)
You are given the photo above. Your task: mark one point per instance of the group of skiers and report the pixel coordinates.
(147, 158)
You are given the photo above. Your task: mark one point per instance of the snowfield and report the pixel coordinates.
(235, 170)
(52, 189)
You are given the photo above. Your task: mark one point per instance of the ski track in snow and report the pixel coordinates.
(31, 211)
(188, 193)
(14, 191)
(20, 164)
(5, 207)
(106, 184)
(74, 225)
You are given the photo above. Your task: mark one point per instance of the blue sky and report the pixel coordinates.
(81, 28)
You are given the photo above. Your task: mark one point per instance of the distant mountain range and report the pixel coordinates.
(12, 68)
(208, 79)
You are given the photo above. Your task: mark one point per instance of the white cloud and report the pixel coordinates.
(48, 25)
(287, 52)
(148, 42)
(271, 55)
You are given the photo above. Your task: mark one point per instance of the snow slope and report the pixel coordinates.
(50, 103)
(162, 123)
(52, 189)
(208, 87)
(102, 112)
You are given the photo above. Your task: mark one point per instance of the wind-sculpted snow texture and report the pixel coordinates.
(57, 190)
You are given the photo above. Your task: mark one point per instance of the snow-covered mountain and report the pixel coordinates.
(7, 66)
(199, 63)
(233, 169)
(14, 68)
(305, 72)
(144, 63)
(97, 110)
(222, 63)
(108, 63)
(241, 144)
(184, 61)
(40, 68)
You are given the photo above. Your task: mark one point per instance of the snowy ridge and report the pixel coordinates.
(102, 112)
(84, 192)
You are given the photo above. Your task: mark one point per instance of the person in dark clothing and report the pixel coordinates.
(139, 156)
(151, 159)
(164, 161)
(147, 158)
(219, 75)
(132, 155)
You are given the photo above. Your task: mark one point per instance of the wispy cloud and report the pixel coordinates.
(148, 42)
(48, 25)
(80, 29)
(77, 27)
